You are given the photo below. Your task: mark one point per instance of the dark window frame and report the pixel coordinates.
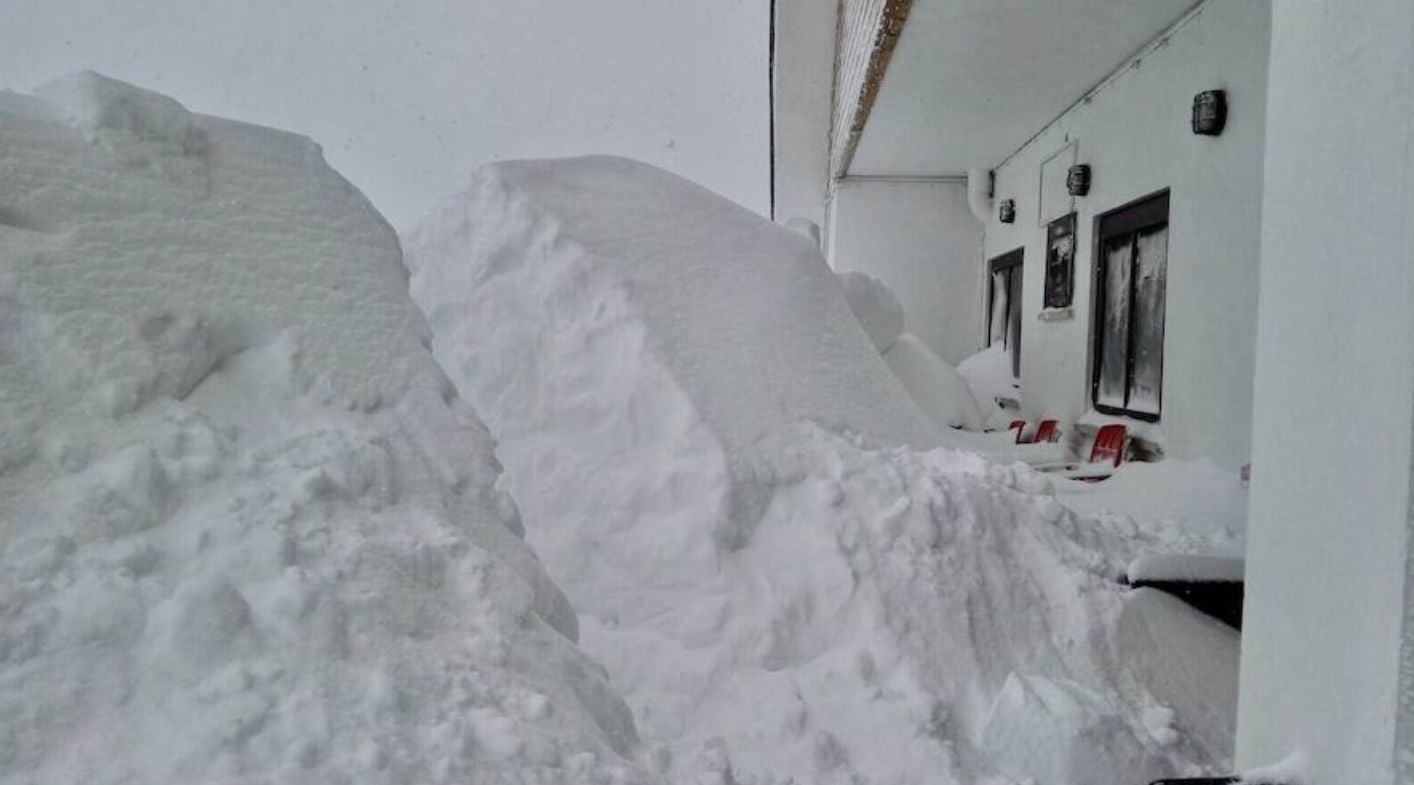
(1146, 213)
(1013, 263)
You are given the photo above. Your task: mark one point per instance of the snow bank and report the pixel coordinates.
(248, 533)
(876, 307)
(628, 335)
(780, 601)
(938, 390)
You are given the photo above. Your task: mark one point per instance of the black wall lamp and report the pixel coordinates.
(1077, 180)
(1006, 212)
(1209, 112)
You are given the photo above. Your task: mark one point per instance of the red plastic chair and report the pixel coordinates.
(1046, 432)
(1019, 426)
(1109, 444)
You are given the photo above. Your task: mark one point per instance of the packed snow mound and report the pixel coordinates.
(876, 306)
(778, 599)
(248, 532)
(988, 374)
(938, 390)
(602, 254)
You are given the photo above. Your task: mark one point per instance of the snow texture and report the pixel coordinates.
(876, 307)
(248, 532)
(988, 374)
(779, 598)
(935, 386)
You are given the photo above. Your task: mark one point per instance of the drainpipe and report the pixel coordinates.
(979, 194)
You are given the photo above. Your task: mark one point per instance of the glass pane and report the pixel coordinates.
(1114, 326)
(997, 330)
(1147, 386)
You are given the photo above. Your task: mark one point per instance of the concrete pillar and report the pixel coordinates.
(1328, 637)
(803, 69)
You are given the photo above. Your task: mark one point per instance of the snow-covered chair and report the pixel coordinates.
(1106, 454)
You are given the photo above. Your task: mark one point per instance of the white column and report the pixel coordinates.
(804, 69)
(1328, 636)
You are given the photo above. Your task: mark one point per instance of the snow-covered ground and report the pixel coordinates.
(712, 459)
(248, 531)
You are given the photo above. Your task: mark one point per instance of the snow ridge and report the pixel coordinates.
(248, 532)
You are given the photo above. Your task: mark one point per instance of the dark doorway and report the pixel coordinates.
(1004, 306)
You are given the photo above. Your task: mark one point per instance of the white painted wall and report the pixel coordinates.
(921, 240)
(803, 76)
(1135, 133)
(1329, 622)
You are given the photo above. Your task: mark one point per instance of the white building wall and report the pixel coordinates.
(1135, 133)
(920, 238)
(1328, 638)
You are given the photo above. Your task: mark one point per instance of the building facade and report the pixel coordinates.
(1193, 218)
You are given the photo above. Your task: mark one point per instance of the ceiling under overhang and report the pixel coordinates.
(972, 80)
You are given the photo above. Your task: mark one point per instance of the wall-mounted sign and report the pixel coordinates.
(1055, 198)
(1060, 262)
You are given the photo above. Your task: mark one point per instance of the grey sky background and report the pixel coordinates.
(408, 96)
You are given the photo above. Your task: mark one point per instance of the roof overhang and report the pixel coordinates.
(970, 81)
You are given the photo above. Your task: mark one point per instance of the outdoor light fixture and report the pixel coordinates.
(1006, 213)
(1077, 180)
(1209, 112)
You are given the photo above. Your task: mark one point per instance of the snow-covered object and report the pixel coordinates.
(938, 390)
(248, 532)
(876, 307)
(988, 374)
(1186, 567)
(778, 601)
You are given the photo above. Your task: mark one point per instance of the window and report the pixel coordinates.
(1004, 306)
(1060, 262)
(1129, 309)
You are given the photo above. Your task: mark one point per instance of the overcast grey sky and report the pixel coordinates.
(408, 96)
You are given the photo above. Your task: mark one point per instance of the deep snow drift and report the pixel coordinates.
(668, 377)
(940, 393)
(248, 533)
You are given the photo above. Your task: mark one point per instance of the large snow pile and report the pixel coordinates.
(248, 532)
(778, 599)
